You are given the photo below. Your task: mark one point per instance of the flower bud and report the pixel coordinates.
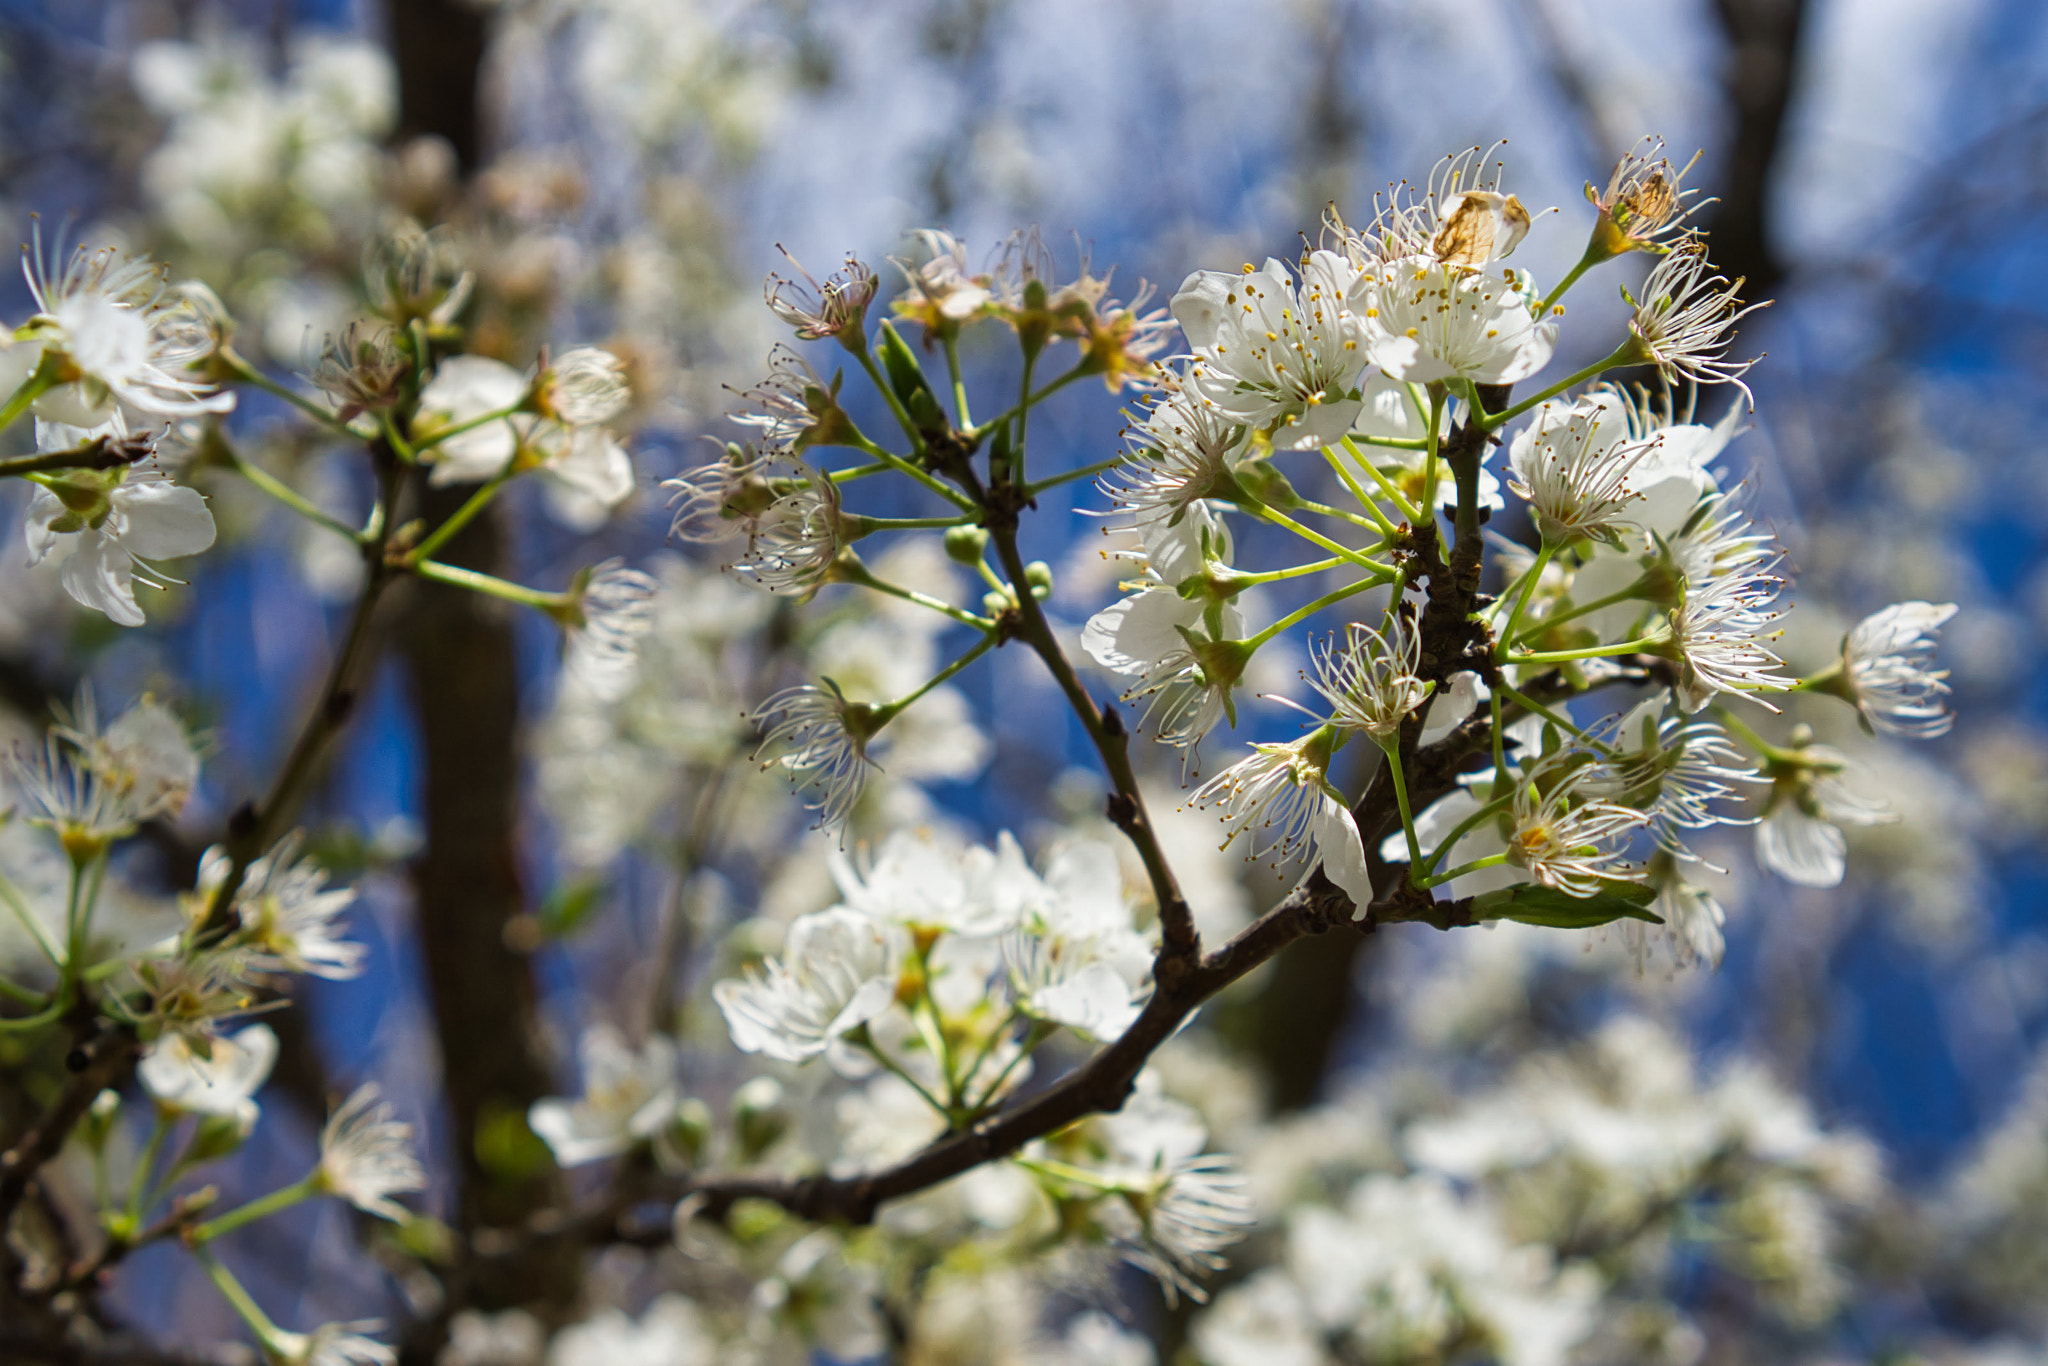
(1038, 575)
(966, 544)
(687, 1131)
(220, 1135)
(760, 1116)
(99, 1119)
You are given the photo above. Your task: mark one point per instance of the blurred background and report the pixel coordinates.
(622, 172)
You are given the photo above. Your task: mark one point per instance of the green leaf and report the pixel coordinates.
(1530, 904)
(568, 905)
(906, 376)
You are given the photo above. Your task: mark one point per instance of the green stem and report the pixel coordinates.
(249, 374)
(925, 477)
(1239, 579)
(34, 387)
(968, 656)
(1023, 416)
(1307, 610)
(396, 439)
(1039, 1032)
(1625, 354)
(1032, 400)
(1054, 481)
(441, 434)
(1545, 304)
(145, 1166)
(889, 1065)
(1436, 418)
(1392, 749)
(858, 472)
(959, 384)
(1379, 519)
(881, 383)
(1379, 527)
(1573, 613)
(23, 1023)
(12, 896)
(1555, 718)
(489, 585)
(72, 949)
(1764, 748)
(1438, 879)
(868, 525)
(1486, 811)
(1535, 572)
(461, 517)
(1388, 486)
(259, 1208)
(1279, 518)
(290, 497)
(1393, 443)
(238, 1298)
(858, 573)
(1626, 647)
(14, 991)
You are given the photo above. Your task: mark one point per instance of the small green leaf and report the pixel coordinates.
(906, 376)
(568, 905)
(1530, 904)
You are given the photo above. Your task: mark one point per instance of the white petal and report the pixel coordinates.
(164, 520)
(101, 575)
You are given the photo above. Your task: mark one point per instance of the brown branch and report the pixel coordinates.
(95, 1065)
(20, 1344)
(1181, 946)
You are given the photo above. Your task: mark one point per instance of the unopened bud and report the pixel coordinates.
(966, 544)
(99, 1119)
(1038, 575)
(687, 1131)
(220, 1135)
(759, 1116)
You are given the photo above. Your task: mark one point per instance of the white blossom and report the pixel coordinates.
(591, 473)
(1576, 472)
(121, 339)
(145, 754)
(670, 1333)
(287, 912)
(1174, 649)
(366, 1155)
(114, 524)
(836, 308)
(616, 605)
(1566, 841)
(331, 1344)
(1888, 665)
(1716, 638)
(836, 973)
(1370, 682)
(820, 741)
(1183, 449)
(794, 541)
(1426, 321)
(1461, 218)
(1684, 323)
(628, 1094)
(1283, 793)
(1800, 837)
(225, 1084)
(829, 1302)
(944, 294)
(1644, 202)
(1184, 1206)
(1274, 354)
